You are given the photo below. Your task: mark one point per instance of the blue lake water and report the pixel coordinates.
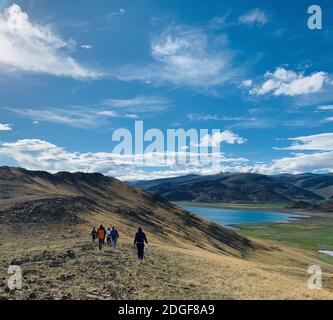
(229, 217)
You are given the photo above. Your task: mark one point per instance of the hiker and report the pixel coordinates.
(93, 234)
(101, 236)
(114, 237)
(108, 236)
(140, 240)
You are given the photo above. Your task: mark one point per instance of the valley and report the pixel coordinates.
(45, 223)
(304, 191)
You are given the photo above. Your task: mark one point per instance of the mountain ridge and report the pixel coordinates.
(87, 199)
(292, 190)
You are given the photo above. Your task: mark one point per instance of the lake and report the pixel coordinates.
(328, 252)
(229, 217)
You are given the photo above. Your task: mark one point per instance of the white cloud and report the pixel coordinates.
(139, 104)
(238, 122)
(323, 141)
(217, 138)
(5, 127)
(326, 108)
(86, 46)
(246, 83)
(80, 117)
(300, 162)
(29, 47)
(317, 156)
(119, 13)
(184, 56)
(38, 154)
(290, 83)
(122, 11)
(254, 17)
(91, 117)
(215, 117)
(219, 22)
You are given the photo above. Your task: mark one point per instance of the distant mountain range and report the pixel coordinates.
(308, 190)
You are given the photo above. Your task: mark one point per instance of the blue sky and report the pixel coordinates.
(72, 72)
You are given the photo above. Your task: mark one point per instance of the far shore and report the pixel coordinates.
(247, 206)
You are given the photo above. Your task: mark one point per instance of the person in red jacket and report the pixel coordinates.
(101, 236)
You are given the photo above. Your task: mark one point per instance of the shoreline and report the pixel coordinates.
(232, 206)
(292, 215)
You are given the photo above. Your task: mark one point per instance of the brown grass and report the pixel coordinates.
(169, 272)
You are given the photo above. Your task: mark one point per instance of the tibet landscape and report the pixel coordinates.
(165, 157)
(46, 221)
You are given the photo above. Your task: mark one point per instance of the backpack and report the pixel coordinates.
(101, 234)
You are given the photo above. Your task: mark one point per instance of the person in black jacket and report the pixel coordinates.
(140, 240)
(93, 234)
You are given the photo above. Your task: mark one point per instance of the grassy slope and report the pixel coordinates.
(115, 202)
(309, 235)
(272, 206)
(168, 273)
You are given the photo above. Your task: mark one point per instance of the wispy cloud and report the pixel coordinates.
(86, 46)
(139, 104)
(246, 83)
(81, 117)
(254, 17)
(92, 117)
(237, 122)
(323, 142)
(5, 127)
(184, 56)
(215, 117)
(118, 13)
(219, 22)
(326, 108)
(29, 47)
